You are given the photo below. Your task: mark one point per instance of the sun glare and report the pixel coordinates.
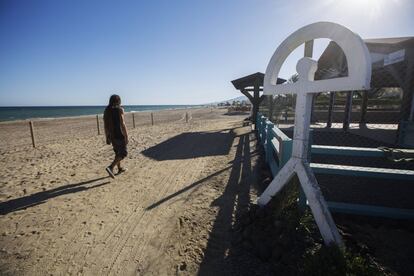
(371, 8)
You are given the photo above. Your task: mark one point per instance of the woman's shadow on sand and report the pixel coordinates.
(41, 197)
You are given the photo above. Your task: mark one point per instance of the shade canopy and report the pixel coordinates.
(252, 83)
(251, 80)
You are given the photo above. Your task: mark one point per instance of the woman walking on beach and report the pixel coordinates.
(116, 133)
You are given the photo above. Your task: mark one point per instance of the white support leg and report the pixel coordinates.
(318, 205)
(280, 180)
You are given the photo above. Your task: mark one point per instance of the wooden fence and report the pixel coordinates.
(185, 117)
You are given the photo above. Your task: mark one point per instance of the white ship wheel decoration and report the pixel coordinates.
(359, 77)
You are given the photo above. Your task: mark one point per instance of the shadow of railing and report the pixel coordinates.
(234, 201)
(185, 189)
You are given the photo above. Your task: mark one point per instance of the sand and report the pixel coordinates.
(171, 212)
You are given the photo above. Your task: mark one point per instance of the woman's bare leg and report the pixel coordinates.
(116, 162)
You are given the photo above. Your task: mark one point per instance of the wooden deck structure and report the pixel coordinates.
(392, 66)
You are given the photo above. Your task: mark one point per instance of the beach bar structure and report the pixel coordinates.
(392, 67)
(251, 86)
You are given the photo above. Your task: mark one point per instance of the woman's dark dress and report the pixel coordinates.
(112, 119)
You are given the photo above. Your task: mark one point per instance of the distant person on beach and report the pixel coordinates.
(116, 133)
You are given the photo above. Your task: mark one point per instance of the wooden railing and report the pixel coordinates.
(278, 150)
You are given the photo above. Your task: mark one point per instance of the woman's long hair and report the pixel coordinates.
(114, 101)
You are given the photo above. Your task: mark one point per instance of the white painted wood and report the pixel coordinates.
(308, 48)
(284, 175)
(362, 169)
(356, 52)
(359, 77)
(317, 204)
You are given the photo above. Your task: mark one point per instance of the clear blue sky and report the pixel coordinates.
(162, 52)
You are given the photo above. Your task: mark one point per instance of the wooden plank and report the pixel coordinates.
(276, 145)
(363, 171)
(347, 151)
(32, 134)
(369, 210)
(274, 168)
(286, 152)
(308, 48)
(279, 133)
(97, 124)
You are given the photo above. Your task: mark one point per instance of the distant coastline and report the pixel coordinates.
(17, 113)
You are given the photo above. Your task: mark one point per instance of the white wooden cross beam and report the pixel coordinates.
(359, 78)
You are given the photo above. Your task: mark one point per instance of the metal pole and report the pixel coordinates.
(330, 109)
(348, 111)
(152, 119)
(364, 107)
(133, 119)
(32, 133)
(186, 117)
(97, 124)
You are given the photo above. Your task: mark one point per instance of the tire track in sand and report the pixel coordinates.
(181, 170)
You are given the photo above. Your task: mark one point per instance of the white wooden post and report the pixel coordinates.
(359, 76)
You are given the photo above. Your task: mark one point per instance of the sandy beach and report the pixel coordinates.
(171, 212)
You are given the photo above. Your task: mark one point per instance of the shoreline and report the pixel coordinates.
(34, 119)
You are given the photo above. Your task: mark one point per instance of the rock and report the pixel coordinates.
(284, 240)
(246, 220)
(266, 181)
(183, 266)
(237, 239)
(278, 227)
(247, 245)
(286, 259)
(253, 208)
(247, 232)
(278, 223)
(277, 253)
(308, 241)
(260, 213)
(237, 229)
(265, 251)
(278, 268)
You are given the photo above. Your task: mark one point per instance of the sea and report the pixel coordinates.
(11, 113)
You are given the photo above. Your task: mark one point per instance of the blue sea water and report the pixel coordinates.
(29, 112)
